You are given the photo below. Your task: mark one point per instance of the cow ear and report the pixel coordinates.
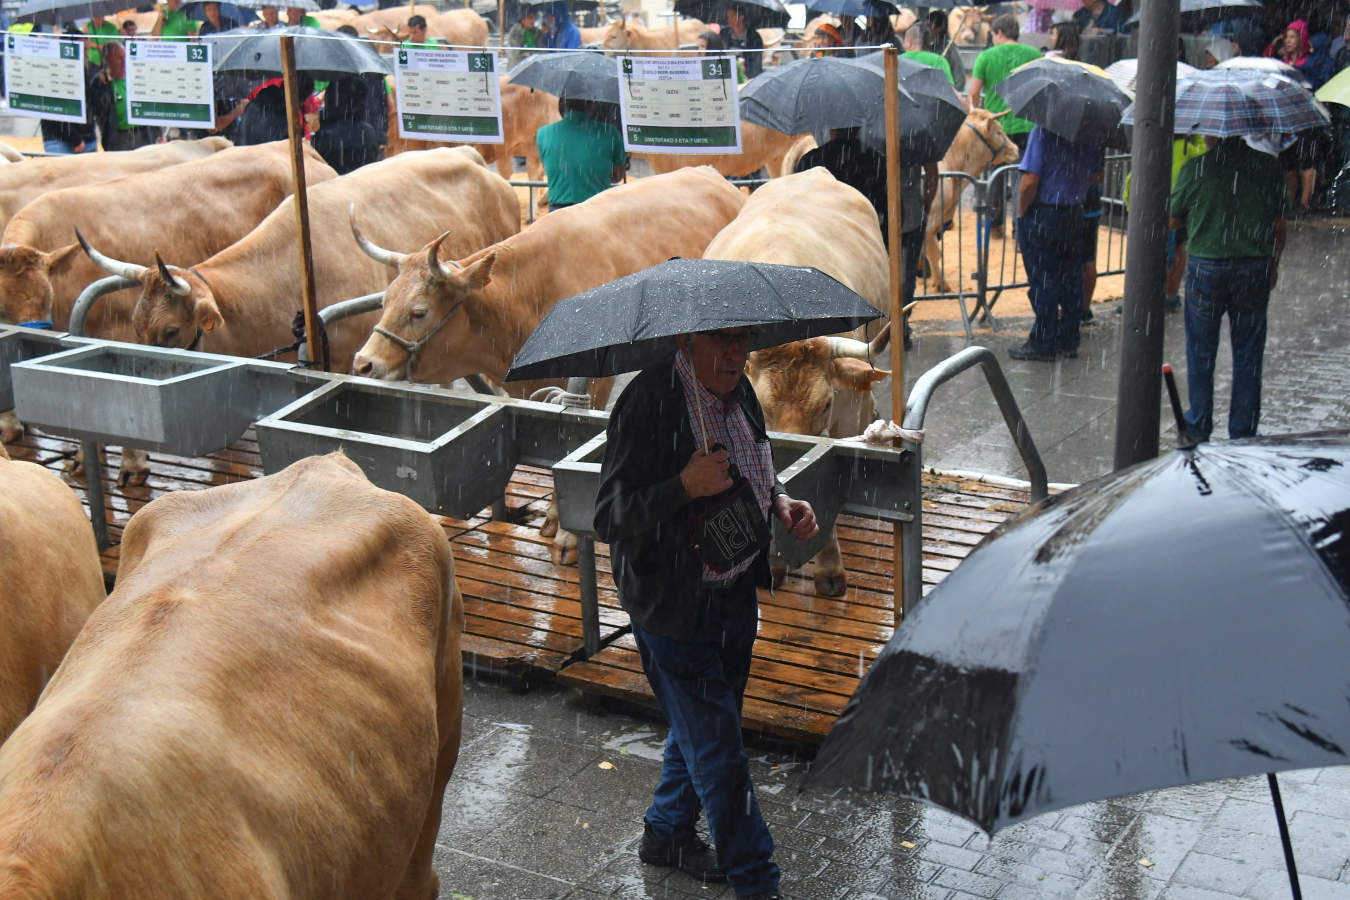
(477, 274)
(207, 314)
(60, 259)
(856, 374)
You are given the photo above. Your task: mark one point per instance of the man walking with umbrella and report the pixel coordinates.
(682, 432)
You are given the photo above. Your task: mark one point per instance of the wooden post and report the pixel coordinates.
(296, 129)
(897, 301)
(501, 29)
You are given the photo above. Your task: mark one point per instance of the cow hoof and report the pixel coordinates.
(11, 430)
(549, 528)
(132, 477)
(564, 555)
(779, 575)
(831, 585)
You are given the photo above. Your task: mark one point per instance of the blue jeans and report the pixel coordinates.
(700, 685)
(1240, 288)
(1051, 241)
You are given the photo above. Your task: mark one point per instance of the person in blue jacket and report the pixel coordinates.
(562, 32)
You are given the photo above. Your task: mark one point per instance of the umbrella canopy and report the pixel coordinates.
(1337, 90)
(240, 14)
(1237, 102)
(571, 4)
(575, 75)
(629, 324)
(1265, 64)
(853, 7)
(1126, 71)
(323, 54)
(758, 13)
(1056, 4)
(1179, 621)
(1193, 6)
(306, 5)
(816, 95)
(1075, 100)
(57, 12)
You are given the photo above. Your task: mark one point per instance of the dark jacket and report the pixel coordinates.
(641, 510)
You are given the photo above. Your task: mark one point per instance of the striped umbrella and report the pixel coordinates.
(1236, 102)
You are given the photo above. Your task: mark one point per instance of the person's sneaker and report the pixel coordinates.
(684, 850)
(1026, 351)
(1172, 303)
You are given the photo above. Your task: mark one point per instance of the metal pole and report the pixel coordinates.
(1284, 836)
(296, 130)
(1138, 400)
(590, 595)
(897, 315)
(93, 491)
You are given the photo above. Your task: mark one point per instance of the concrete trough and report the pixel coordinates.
(19, 344)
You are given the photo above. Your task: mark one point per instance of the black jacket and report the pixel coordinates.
(641, 510)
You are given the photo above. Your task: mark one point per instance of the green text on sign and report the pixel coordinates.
(480, 62)
(173, 112)
(662, 135)
(34, 103)
(449, 124)
(196, 54)
(714, 69)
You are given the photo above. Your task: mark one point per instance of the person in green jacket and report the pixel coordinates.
(991, 67)
(173, 23)
(295, 15)
(97, 26)
(919, 47)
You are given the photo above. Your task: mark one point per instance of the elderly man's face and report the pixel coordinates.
(718, 357)
(269, 14)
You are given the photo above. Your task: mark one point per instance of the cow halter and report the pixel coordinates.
(984, 140)
(413, 348)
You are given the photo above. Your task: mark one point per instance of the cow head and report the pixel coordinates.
(428, 296)
(175, 305)
(979, 144)
(26, 281)
(796, 383)
(619, 36)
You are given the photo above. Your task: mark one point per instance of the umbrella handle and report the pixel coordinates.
(1183, 435)
(1294, 889)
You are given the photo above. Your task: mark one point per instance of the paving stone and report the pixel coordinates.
(968, 882)
(1225, 875)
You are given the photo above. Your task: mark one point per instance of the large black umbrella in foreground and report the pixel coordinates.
(572, 76)
(1182, 620)
(1075, 100)
(322, 54)
(628, 324)
(758, 13)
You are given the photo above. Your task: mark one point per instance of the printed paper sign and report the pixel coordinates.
(44, 77)
(169, 83)
(685, 105)
(448, 95)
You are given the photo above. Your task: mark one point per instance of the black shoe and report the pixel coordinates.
(1026, 351)
(1087, 316)
(684, 850)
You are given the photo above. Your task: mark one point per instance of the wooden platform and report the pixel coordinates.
(524, 613)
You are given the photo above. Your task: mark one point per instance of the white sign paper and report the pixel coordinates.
(679, 105)
(169, 83)
(448, 95)
(44, 77)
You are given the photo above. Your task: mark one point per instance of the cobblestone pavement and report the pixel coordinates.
(548, 797)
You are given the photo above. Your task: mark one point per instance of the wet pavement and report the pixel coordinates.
(548, 796)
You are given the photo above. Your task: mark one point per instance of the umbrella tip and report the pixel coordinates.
(1184, 439)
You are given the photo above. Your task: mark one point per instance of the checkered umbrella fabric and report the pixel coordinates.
(1238, 102)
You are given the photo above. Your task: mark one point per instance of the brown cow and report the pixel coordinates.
(475, 314)
(631, 37)
(268, 705)
(979, 143)
(822, 385)
(459, 28)
(50, 581)
(968, 26)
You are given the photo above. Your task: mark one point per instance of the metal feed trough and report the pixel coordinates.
(452, 452)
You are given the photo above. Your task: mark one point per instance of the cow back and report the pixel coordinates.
(760, 148)
(258, 709)
(50, 580)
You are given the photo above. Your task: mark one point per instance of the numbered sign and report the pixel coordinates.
(44, 77)
(169, 83)
(448, 95)
(686, 105)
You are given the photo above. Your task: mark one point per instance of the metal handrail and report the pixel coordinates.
(916, 408)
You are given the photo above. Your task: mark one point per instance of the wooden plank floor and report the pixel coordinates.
(523, 614)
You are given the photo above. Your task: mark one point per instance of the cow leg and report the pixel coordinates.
(11, 429)
(135, 467)
(831, 580)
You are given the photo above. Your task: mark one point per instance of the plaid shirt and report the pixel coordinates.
(727, 425)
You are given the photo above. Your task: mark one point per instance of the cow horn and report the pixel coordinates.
(434, 266)
(848, 347)
(108, 264)
(176, 285)
(379, 254)
(1000, 115)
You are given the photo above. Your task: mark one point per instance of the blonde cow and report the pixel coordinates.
(243, 299)
(473, 313)
(268, 705)
(822, 385)
(630, 36)
(50, 581)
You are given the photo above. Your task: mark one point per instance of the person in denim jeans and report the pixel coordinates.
(1231, 203)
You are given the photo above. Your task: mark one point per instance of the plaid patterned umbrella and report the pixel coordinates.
(1236, 102)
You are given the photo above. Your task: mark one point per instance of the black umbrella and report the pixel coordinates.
(758, 13)
(322, 54)
(816, 95)
(1194, 6)
(576, 76)
(57, 12)
(628, 324)
(880, 8)
(1077, 101)
(1182, 620)
(571, 4)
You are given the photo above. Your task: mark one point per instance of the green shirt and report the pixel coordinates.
(931, 59)
(95, 55)
(119, 88)
(177, 26)
(991, 67)
(1228, 200)
(579, 155)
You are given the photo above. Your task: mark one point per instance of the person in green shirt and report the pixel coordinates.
(1230, 204)
(108, 103)
(417, 35)
(919, 47)
(581, 156)
(173, 23)
(522, 39)
(98, 25)
(991, 67)
(295, 15)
